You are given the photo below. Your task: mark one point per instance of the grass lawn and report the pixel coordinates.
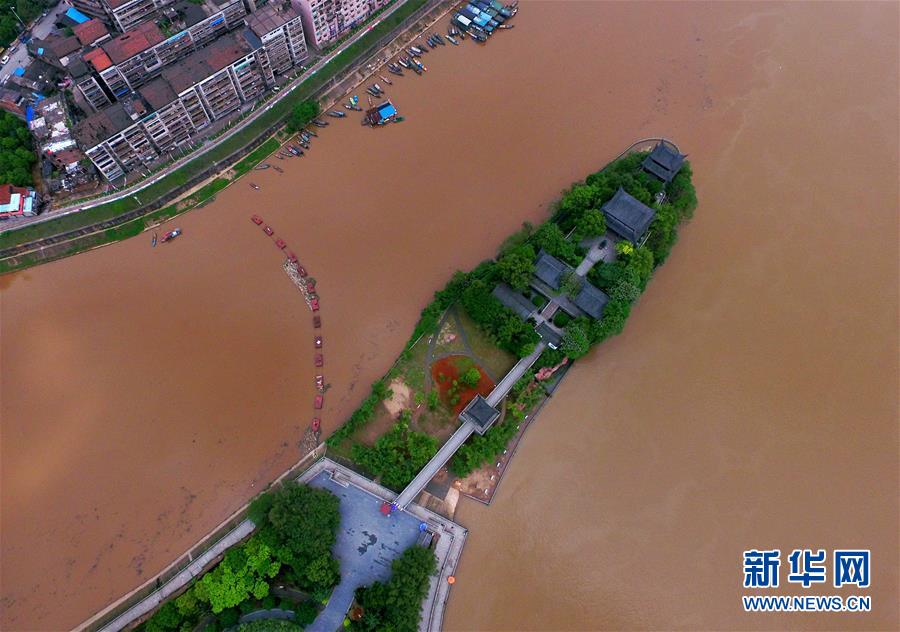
(497, 361)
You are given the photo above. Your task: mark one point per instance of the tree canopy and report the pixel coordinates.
(575, 342)
(516, 267)
(16, 155)
(244, 572)
(397, 455)
(397, 604)
(302, 114)
(301, 527)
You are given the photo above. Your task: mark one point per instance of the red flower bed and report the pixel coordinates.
(445, 370)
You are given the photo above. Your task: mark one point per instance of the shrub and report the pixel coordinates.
(305, 613)
(561, 319)
(397, 456)
(471, 377)
(433, 400)
(302, 114)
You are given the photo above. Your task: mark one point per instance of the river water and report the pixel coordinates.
(751, 401)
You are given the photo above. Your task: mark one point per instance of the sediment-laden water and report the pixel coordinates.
(751, 401)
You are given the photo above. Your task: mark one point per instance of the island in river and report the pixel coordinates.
(148, 375)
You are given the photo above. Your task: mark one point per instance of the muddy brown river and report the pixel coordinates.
(750, 403)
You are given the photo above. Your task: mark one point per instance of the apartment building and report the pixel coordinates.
(328, 20)
(206, 86)
(278, 29)
(129, 61)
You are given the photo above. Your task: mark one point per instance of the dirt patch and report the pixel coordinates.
(447, 370)
(401, 397)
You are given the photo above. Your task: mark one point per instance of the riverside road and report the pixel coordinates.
(285, 91)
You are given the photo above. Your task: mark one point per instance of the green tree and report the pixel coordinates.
(570, 284)
(517, 266)
(551, 238)
(16, 155)
(323, 571)
(434, 399)
(625, 291)
(575, 342)
(397, 455)
(591, 224)
(166, 618)
(243, 572)
(302, 114)
(639, 266)
(613, 322)
(301, 527)
(397, 604)
(471, 377)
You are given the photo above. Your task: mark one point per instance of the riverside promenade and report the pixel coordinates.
(368, 541)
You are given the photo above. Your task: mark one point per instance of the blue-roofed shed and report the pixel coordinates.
(77, 16)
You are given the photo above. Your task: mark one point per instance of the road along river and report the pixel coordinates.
(751, 401)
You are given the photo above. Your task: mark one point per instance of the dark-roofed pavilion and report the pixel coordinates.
(663, 162)
(591, 300)
(514, 301)
(628, 217)
(550, 270)
(480, 413)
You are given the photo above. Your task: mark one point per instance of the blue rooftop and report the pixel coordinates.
(387, 110)
(77, 15)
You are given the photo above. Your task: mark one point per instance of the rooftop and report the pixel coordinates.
(591, 300)
(550, 270)
(98, 127)
(90, 31)
(98, 59)
(270, 17)
(158, 93)
(62, 46)
(480, 413)
(663, 162)
(205, 62)
(145, 36)
(514, 300)
(628, 217)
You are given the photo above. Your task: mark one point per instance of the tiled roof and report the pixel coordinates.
(628, 217)
(98, 59)
(90, 31)
(129, 44)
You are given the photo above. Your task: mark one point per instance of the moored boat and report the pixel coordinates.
(386, 80)
(311, 132)
(153, 241)
(277, 168)
(319, 401)
(316, 424)
(319, 360)
(281, 243)
(172, 234)
(317, 341)
(254, 186)
(267, 230)
(256, 219)
(319, 122)
(452, 40)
